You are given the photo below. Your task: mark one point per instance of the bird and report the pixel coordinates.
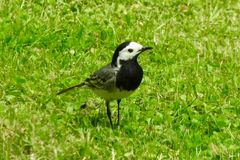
(118, 79)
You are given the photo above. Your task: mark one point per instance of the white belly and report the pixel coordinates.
(114, 95)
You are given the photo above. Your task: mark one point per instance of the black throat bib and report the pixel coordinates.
(129, 76)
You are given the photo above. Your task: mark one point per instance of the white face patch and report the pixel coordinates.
(129, 52)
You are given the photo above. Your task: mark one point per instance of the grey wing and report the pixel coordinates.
(104, 78)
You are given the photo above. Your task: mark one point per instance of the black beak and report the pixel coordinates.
(146, 48)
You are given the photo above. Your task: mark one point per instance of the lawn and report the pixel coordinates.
(187, 106)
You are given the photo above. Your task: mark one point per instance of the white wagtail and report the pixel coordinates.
(118, 79)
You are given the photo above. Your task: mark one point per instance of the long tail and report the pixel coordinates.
(70, 88)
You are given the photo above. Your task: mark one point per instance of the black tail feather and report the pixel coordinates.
(70, 88)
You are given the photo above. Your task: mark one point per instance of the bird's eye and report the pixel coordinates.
(130, 50)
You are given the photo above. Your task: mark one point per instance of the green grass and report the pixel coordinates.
(187, 107)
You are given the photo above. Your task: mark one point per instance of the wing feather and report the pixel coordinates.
(104, 78)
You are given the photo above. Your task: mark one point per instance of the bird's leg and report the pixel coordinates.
(109, 113)
(118, 102)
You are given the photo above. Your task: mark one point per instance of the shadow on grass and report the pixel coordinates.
(88, 117)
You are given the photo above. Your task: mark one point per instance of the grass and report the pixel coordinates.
(186, 108)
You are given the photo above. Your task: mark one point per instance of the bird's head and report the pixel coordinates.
(127, 51)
